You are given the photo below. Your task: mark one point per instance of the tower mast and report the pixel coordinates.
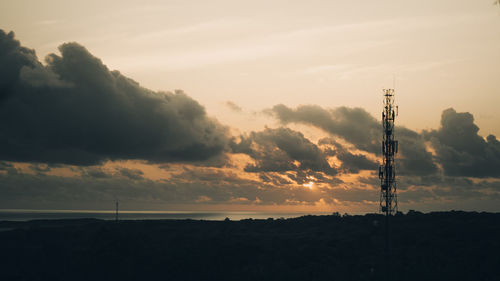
(387, 171)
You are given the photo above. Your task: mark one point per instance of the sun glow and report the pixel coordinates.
(309, 185)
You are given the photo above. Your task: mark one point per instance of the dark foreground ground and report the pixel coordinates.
(435, 246)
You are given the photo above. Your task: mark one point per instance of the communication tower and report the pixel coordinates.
(387, 171)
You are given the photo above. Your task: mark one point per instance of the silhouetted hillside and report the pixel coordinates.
(435, 246)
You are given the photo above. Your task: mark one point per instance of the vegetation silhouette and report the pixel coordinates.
(436, 246)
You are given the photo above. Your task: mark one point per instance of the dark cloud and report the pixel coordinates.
(440, 191)
(95, 172)
(188, 185)
(281, 150)
(447, 188)
(40, 168)
(4, 166)
(351, 162)
(353, 124)
(274, 179)
(358, 127)
(234, 107)
(49, 191)
(413, 159)
(57, 192)
(13, 57)
(133, 174)
(461, 151)
(76, 111)
(184, 187)
(8, 168)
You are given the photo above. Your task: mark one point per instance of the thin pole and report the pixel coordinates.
(116, 215)
(387, 247)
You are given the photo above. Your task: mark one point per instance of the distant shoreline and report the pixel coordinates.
(28, 214)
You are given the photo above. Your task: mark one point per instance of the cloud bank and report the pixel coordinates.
(358, 127)
(282, 149)
(461, 151)
(74, 110)
(74, 113)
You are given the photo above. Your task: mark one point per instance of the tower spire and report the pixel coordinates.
(387, 171)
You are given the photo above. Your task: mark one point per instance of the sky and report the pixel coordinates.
(247, 105)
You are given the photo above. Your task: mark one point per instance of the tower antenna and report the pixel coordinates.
(387, 171)
(116, 214)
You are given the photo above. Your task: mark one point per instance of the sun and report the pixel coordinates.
(309, 185)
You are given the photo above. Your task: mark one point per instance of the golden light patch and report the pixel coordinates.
(63, 172)
(239, 200)
(203, 198)
(309, 185)
(240, 160)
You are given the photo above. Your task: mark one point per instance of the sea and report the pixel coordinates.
(27, 215)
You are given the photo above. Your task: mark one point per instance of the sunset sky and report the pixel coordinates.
(247, 105)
